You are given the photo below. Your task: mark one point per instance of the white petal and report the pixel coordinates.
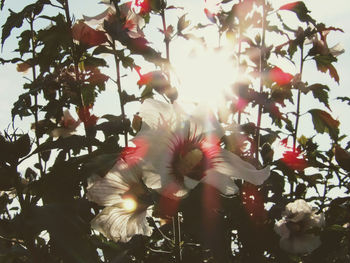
(281, 228)
(297, 210)
(62, 132)
(107, 191)
(337, 50)
(98, 19)
(235, 167)
(157, 152)
(223, 183)
(111, 222)
(117, 224)
(155, 113)
(300, 244)
(151, 179)
(316, 220)
(204, 119)
(189, 183)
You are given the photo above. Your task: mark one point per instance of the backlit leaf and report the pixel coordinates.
(324, 122)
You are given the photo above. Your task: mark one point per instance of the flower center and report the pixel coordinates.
(189, 161)
(129, 204)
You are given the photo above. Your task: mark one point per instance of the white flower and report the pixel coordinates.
(68, 126)
(182, 150)
(298, 218)
(321, 45)
(127, 204)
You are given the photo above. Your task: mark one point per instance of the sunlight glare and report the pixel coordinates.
(129, 204)
(205, 76)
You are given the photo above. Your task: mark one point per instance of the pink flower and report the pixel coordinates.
(87, 35)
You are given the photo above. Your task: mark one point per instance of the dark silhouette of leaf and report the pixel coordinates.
(320, 92)
(300, 9)
(342, 157)
(323, 122)
(344, 99)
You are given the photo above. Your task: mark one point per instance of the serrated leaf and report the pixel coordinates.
(15, 20)
(323, 122)
(320, 92)
(324, 64)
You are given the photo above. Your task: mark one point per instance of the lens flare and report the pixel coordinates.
(204, 76)
(129, 204)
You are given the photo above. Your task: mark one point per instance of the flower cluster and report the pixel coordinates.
(173, 153)
(294, 228)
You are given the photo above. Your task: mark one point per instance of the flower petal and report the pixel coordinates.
(107, 191)
(222, 182)
(156, 113)
(235, 167)
(98, 19)
(281, 228)
(297, 210)
(117, 224)
(300, 244)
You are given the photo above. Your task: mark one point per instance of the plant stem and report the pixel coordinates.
(36, 118)
(298, 101)
(166, 37)
(167, 43)
(120, 93)
(261, 69)
(76, 62)
(177, 238)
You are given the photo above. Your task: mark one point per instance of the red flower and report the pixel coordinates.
(156, 79)
(86, 117)
(294, 160)
(241, 104)
(279, 76)
(141, 7)
(87, 35)
(289, 6)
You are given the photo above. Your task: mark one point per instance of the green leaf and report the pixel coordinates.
(323, 122)
(320, 92)
(182, 23)
(324, 64)
(15, 20)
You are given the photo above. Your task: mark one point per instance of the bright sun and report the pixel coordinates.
(205, 75)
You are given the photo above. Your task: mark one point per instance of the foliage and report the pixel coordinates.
(44, 213)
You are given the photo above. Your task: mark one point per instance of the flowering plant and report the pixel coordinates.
(199, 144)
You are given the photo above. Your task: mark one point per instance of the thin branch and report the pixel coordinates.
(298, 101)
(261, 69)
(35, 111)
(120, 93)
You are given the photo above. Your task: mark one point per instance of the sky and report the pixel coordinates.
(335, 13)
